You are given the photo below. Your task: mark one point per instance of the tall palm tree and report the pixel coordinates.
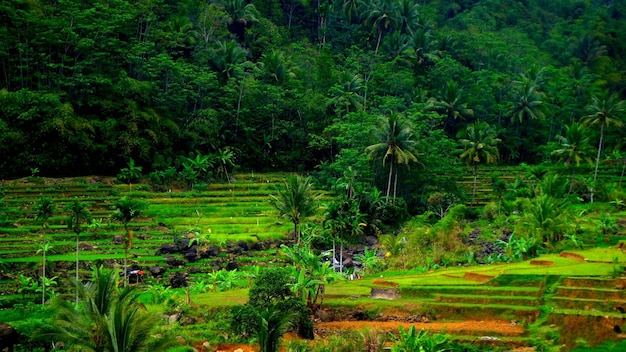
(78, 215)
(479, 146)
(45, 209)
(575, 148)
(527, 102)
(450, 102)
(242, 15)
(396, 146)
(380, 15)
(295, 201)
(604, 113)
(407, 12)
(126, 210)
(225, 59)
(348, 93)
(107, 319)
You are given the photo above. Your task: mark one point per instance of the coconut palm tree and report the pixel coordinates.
(126, 210)
(295, 201)
(527, 102)
(78, 215)
(604, 113)
(380, 16)
(107, 319)
(396, 146)
(575, 148)
(45, 209)
(479, 146)
(450, 103)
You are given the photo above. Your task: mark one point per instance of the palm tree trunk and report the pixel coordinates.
(43, 281)
(295, 232)
(380, 35)
(125, 266)
(475, 178)
(389, 180)
(571, 181)
(395, 184)
(622, 175)
(595, 173)
(77, 268)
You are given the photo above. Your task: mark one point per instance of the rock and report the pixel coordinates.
(243, 245)
(206, 345)
(232, 266)
(161, 224)
(183, 244)
(371, 241)
(156, 271)
(171, 261)
(191, 256)
(257, 246)
(118, 239)
(323, 315)
(181, 340)
(195, 270)
(8, 337)
(389, 293)
(239, 350)
(167, 248)
(178, 280)
(84, 246)
(187, 321)
(173, 318)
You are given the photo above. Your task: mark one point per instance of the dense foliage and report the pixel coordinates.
(87, 86)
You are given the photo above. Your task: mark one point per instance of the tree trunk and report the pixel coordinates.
(395, 184)
(43, 281)
(475, 178)
(595, 173)
(389, 180)
(380, 35)
(77, 267)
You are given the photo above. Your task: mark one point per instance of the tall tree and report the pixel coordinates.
(380, 15)
(575, 148)
(479, 141)
(527, 103)
(126, 209)
(108, 319)
(295, 201)
(450, 102)
(45, 209)
(604, 113)
(396, 146)
(78, 215)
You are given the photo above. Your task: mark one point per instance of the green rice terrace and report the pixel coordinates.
(194, 255)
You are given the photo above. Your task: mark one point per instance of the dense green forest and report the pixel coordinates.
(300, 85)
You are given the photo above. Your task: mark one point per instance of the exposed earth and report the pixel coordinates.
(487, 328)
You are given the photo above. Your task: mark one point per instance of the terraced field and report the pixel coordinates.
(226, 218)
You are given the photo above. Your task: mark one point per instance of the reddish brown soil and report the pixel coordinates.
(487, 327)
(477, 277)
(499, 327)
(541, 262)
(573, 256)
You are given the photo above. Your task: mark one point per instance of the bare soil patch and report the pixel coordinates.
(541, 262)
(477, 277)
(477, 327)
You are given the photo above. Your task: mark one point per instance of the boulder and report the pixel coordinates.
(167, 248)
(243, 245)
(232, 266)
(191, 256)
(178, 280)
(118, 239)
(156, 271)
(84, 246)
(8, 337)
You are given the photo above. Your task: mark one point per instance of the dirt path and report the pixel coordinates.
(476, 327)
(499, 327)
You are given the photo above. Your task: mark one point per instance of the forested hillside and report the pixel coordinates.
(290, 85)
